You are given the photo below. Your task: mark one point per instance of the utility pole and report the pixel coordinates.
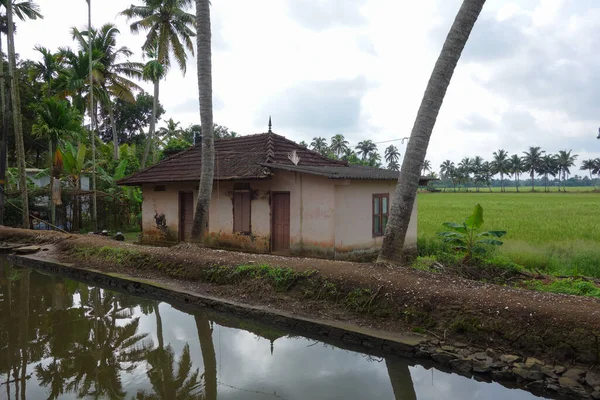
(92, 120)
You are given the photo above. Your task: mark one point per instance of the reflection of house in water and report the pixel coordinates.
(261, 330)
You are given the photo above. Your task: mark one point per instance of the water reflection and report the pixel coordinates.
(64, 339)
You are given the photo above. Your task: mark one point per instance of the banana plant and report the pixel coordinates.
(466, 238)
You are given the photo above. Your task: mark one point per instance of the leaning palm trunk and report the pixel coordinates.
(408, 181)
(113, 127)
(16, 111)
(207, 349)
(204, 61)
(150, 138)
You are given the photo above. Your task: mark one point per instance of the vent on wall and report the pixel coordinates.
(160, 188)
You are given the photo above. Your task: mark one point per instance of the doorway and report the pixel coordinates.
(186, 215)
(280, 221)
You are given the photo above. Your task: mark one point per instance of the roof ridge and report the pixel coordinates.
(270, 148)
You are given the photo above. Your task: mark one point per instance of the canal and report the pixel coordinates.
(63, 339)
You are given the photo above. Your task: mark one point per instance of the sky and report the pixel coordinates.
(529, 75)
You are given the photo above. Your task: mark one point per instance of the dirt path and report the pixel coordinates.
(542, 324)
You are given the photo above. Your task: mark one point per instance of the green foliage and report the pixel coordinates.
(281, 279)
(465, 238)
(174, 146)
(578, 287)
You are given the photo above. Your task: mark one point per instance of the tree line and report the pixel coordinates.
(478, 172)
(364, 153)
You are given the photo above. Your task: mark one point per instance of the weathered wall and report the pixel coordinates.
(328, 218)
(354, 238)
(166, 203)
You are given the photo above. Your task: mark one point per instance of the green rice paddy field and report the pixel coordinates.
(557, 233)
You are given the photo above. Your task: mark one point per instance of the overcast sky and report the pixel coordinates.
(529, 76)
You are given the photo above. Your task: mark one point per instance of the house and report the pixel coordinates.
(271, 195)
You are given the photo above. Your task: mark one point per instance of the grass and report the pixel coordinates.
(524, 189)
(555, 233)
(567, 286)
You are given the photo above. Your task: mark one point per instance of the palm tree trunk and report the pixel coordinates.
(204, 60)
(16, 111)
(517, 179)
(23, 329)
(532, 182)
(92, 124)
(402, 384)
(3, 142)
(52, 204)
(408, 181)
(208, 356)
(113, 125)
(150, 137)
(501, 182)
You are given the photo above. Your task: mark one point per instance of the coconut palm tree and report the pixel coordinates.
(394, 166)
(548, 166)
(171, 130)
(23, 10)
(532, 161)
(204, 67)
(392, 156)
(465, 168)
(588, 165)
(477, 171)
(447, 170)
(365, 148)
(319, 144)
(56, 120)
(426, 167)
(47, 69)
(116, 69)
(566, 160)
(339, 144)
(170, 31)
(515, 167)
(153, 72)
(392, 249)
(500, 165)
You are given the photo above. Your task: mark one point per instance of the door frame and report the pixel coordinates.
(273, 219)
(180, 197)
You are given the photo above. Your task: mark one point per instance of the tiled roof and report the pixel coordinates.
(252, 157)
(235, 158)
(347, 172)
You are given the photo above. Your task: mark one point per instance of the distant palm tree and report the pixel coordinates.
(393, 165)
(153, 72)
(170, 30)
(170, 131)
(476, 169)
(365, 148)
(425, 167)
(532, 161)
(47, 69)
(548, 166)
(319, 144)
(116, 69)
(465, 167)
(566, 160)
(303, 144)
(339, 144)
(392, 155)
(374, 159)
(588, 165)
(500, 165)
(447, 170)
(515, 167)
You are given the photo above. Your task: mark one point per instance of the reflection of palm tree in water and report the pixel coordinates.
(208, 356)
(181, 382)
(400, 378)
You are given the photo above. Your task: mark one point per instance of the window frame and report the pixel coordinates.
(381, 215)
(241, 192)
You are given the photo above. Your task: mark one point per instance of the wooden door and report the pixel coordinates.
(186, 215)
(280, 218)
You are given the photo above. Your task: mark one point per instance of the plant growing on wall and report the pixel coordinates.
(466, 238)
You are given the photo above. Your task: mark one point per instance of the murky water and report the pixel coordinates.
(64, 339)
